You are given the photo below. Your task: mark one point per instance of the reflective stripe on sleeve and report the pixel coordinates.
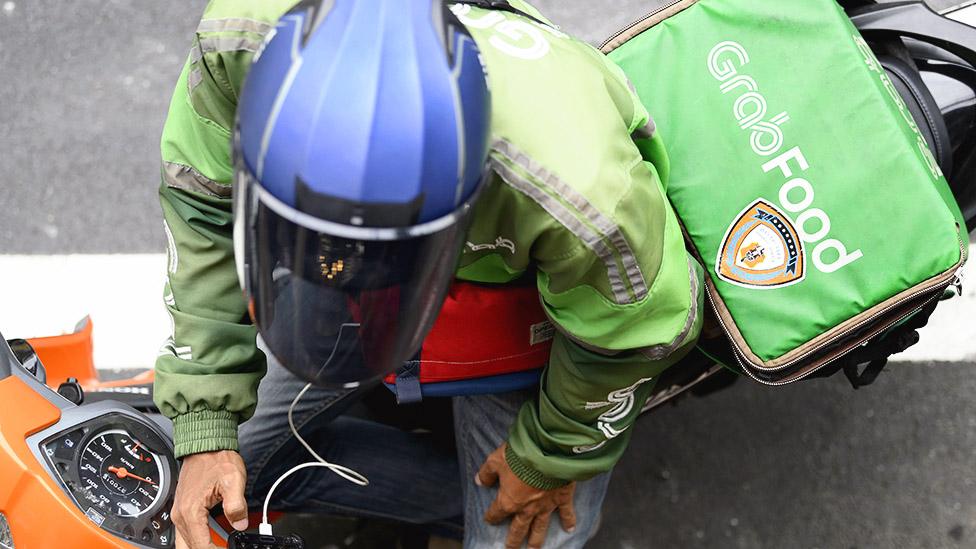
(654, 352)
(220, 44)
(194, 79)
(661, 352)
(566, 218)
(605, 225)
(234, 24)
(179, 176)
(195, 54)
(216, 44)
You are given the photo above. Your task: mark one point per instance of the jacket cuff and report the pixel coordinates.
(530, 476)
(204, 431)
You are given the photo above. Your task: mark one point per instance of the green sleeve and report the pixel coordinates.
(207, 373)
(615, 336)
(579, 426)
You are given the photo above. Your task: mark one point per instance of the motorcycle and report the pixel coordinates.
(57, 444)
(86, 462)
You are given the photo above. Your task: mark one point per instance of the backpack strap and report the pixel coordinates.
(407, 386)
(500, 5)
(874, 355)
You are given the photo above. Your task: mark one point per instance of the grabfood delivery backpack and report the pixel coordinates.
(800, 178)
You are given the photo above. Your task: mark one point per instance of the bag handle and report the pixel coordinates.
(876, 353)
(868, 376)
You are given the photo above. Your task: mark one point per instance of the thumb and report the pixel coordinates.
(235, 506)
(487, 476)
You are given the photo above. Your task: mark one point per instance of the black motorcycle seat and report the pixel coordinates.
(923, 107)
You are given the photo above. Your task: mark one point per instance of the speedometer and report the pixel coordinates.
(121, 473)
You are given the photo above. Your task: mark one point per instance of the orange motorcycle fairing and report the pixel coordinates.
(40, 513)
(68, 355)
(38, 507)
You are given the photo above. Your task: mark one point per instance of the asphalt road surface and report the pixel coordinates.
(84, 86)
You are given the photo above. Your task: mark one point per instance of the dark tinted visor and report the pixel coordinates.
(339, 305)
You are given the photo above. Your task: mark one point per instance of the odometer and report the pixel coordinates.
(121, 473)
(119, 470)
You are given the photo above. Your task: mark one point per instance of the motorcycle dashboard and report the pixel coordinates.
(117, 468)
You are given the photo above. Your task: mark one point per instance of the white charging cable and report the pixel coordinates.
(265, 528)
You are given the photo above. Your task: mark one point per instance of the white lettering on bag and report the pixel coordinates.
(797, 195)
(783, 163)
(923, 148)
(750, 108)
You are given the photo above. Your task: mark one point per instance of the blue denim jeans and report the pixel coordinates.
(412, 477)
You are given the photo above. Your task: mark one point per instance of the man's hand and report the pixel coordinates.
(530, 508)
(206, 480)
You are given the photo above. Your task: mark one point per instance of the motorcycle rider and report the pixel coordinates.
(350, 218)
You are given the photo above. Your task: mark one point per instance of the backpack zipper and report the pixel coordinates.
(958, 282)
(937, 287)
(863, 341)
(637, 22)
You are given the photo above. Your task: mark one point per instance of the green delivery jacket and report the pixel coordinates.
(578, 187)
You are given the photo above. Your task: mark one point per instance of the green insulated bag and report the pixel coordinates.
(801, 180)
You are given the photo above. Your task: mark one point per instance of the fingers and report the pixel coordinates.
(517, 531)
(540, 527)
(192, 524)
(205, 480)
(235, 506)
(488, 474)
(567, 516)
(498, 512)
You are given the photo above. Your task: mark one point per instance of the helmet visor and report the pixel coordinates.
(338, 305)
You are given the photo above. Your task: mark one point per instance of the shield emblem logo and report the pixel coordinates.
(762, 249)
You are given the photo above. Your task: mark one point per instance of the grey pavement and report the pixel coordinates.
(84, 86)
(814, 465)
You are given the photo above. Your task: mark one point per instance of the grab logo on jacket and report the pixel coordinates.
(622, 403)
(522, 39)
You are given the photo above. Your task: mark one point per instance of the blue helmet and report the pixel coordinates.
(361, 147)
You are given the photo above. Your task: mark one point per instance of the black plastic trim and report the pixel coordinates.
(918, 21)
(7, 359)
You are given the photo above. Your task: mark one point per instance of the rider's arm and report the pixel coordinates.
(207, 374)
(626, 305)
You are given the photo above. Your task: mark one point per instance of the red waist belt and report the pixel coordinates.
(483, 332)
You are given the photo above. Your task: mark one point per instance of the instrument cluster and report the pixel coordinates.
(120, 473)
